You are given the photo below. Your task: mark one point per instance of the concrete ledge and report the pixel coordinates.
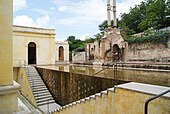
(33, 30)
(10, 88)
(145, 88)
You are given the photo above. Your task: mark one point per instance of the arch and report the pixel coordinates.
(61, 53)
(116, 53)
(32, 53)
(99, 47)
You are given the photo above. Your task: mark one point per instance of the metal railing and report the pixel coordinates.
(153, 98)
(114, 64)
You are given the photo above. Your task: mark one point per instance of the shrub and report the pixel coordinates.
(154, 38)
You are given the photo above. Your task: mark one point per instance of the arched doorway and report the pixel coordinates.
(116, 53)
(31, 53)
(61, 53)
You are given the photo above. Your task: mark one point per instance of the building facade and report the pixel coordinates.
(111, 47)
(61, 51)
(36, 46)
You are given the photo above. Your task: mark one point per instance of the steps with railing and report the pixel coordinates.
(41, 93)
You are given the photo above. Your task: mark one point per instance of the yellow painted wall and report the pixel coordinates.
(120, 101)
(45, 45)
(26, 90)
(8, 103)
(131, 102)
(6, 70)
(8, 88)
(15, 73)
(97, 104)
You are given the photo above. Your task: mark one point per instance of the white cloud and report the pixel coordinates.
(84, 12)
(90, 12)
(43, 11)
(85, 36)
(52, 8)
(62, 8)
(43, 21)
(24, 20)
(19, 4)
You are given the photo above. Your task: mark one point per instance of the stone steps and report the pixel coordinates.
(46, 103)
(41, 93)
(98, 101)
(37, 85)
(41, 89)
(45, 100)
(42, 97)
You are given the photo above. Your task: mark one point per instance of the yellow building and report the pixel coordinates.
(37, 46)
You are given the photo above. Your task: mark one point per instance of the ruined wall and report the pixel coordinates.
(78, 57)
(149, 51)
(69, 87)
(103, 49)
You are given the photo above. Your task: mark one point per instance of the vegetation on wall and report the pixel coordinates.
(153, 38)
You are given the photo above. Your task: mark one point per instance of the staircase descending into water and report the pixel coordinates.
(43, 97)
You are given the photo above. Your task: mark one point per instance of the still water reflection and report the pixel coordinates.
(145, 76)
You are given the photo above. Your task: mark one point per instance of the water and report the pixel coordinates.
(156, 77)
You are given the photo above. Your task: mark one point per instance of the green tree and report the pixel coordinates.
(155, 14)
(104, 25)
(146, 15)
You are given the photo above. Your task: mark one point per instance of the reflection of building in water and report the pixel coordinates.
(37, 46)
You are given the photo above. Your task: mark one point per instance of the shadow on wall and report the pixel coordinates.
(69, 87)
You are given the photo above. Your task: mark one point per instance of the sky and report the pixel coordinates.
(79, 18)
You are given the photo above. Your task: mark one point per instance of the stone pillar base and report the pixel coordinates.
(9, 98)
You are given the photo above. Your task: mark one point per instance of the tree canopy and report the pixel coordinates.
(148, 14)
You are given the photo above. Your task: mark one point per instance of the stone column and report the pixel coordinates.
(114, 13)
(8, 88)
(108, 13)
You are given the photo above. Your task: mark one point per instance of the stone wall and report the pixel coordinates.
(78, 57)
(149, 52)
(69, 87)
